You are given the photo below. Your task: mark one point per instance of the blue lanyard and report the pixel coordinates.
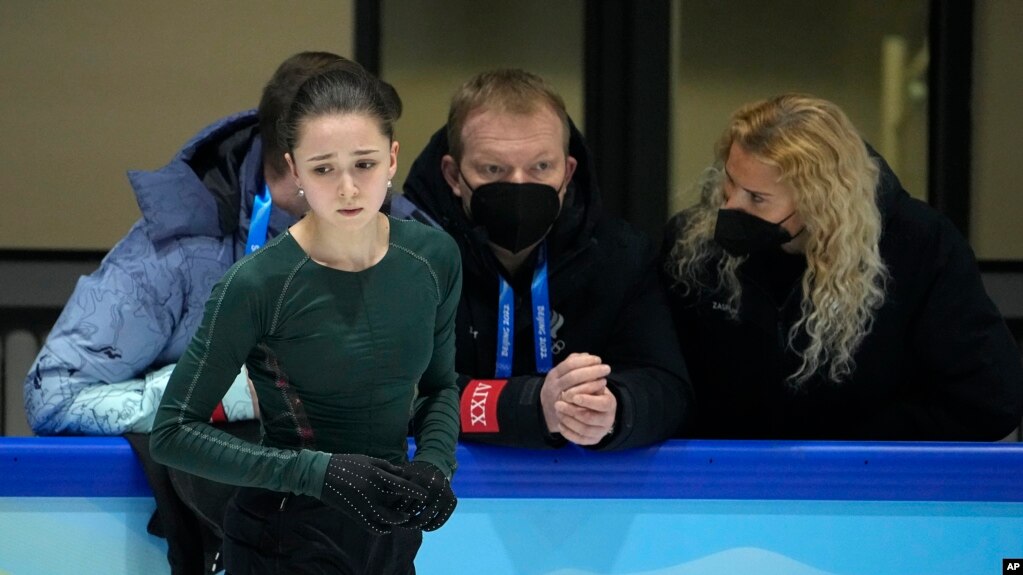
(259, 221)
(541, 321)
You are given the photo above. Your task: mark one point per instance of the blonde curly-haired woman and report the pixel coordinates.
(815, 298)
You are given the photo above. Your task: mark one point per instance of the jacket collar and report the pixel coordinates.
(426, 188)
(889, 191)
(196, 193)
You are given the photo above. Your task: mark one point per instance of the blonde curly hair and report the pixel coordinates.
(823, 159)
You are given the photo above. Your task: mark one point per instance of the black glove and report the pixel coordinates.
(440, 500)
(372, 491)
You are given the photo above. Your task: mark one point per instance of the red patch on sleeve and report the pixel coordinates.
(219, 415)
(479, 405)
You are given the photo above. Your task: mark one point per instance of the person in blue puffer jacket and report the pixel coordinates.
(107, 360)
(104, 364)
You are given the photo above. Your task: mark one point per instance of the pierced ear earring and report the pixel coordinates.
(389, 185)
(300, 193)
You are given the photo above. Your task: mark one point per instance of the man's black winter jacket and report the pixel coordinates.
(605, 300)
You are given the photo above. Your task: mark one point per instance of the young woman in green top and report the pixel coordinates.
(345, 324)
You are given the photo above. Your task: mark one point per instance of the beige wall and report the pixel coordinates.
(91, 89)
(997, 201)
(428, 53)
(729, 52)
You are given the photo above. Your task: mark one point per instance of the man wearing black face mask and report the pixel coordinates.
(563, 334)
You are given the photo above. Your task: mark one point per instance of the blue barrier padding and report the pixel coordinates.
(704, 469)
(70, 467)
(791, 470)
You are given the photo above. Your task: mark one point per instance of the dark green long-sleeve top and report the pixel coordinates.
(337, 360)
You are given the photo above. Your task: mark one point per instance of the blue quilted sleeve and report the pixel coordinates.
(113, 328)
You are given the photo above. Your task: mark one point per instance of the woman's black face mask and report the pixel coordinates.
(742, 234)
(515, 215)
